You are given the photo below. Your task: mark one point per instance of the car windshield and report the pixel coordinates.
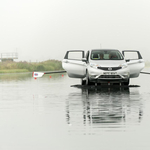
(106, 55)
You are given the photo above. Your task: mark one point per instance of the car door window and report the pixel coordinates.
(131, 55)
(75, 55)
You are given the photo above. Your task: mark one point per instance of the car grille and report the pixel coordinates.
(109, 68)
(110, 76)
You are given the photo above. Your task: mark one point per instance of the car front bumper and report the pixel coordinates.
(98, 75)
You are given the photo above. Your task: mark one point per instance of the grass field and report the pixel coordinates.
(16, 67)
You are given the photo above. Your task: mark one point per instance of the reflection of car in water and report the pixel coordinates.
(103, 65)
(105, 108)
(108, 107)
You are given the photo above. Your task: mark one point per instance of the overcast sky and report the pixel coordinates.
(45, 29)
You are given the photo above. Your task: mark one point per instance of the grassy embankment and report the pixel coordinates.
(16, 67)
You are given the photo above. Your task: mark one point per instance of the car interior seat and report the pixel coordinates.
(113, 56)
(95, 56)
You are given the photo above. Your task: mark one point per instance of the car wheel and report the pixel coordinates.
(87, 79)
(127, 82)
(88, 82)
(83, 82)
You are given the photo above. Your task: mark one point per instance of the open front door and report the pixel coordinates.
(134, 61)
(74, 64)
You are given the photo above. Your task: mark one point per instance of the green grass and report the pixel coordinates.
(13, 70)
(15, 67)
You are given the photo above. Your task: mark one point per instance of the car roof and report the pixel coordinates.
(105, 49)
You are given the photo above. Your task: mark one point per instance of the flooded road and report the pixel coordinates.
(50, 113)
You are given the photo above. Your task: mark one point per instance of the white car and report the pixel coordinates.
(103, 65)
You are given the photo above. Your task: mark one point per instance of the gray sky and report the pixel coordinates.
(46, 29)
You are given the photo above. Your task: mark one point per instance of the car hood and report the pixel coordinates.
(108, 63)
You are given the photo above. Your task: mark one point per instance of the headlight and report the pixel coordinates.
(94, 65)
(123, 65)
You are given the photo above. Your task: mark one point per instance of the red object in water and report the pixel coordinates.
(50, 76)
(35, 78)
(62, 75)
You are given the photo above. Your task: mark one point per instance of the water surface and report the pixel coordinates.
(48, 113)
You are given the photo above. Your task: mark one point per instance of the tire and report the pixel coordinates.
(127, 82)
(83, 82)
(88, 80)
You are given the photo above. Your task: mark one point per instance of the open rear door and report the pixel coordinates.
(74, 64)
(134, 61)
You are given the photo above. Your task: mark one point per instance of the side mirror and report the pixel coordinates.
(84, 59)
(127, 60)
